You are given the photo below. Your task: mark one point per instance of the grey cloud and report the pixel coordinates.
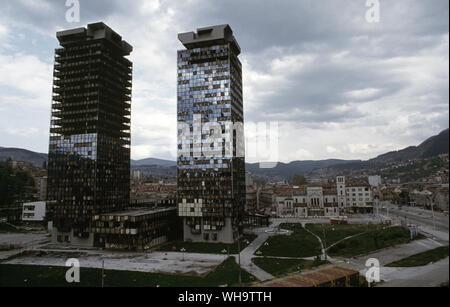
(262, 23)
(314, 95)
(49, 15)
(323, 89)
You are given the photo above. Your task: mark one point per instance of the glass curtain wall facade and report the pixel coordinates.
(89, 151)
(211, 162)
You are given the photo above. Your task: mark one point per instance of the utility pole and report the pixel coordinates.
(239, 259)
(432, 212)
(324, 243)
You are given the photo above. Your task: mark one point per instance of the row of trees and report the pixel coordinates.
(15, 185)
(296, 180)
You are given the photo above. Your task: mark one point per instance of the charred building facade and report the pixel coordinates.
(136, 229)
(89, 151)
(211, 159)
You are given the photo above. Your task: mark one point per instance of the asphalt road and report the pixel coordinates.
(418, 216)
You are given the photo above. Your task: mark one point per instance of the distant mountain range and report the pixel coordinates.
(287, 170)
(19, 154)
(37, 159)
(153, 161)
(433, 146)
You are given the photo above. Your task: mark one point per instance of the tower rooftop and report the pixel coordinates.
(207, 36)
(94, 31)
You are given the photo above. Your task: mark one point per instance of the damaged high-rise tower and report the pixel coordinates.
(89, 151)
(211, 163)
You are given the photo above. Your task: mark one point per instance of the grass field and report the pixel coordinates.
(371, 241)
(335, 233)
(208, 248)
(8, 228)
(43, 276)
(422, 258)
(299, 244)
(280, 267)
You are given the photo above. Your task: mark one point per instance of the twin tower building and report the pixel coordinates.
(90, 138)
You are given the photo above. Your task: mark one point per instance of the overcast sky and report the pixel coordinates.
(339, 86)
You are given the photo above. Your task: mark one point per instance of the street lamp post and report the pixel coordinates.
(377, 205)
(324, 243)
(224, 251)
(183, 250)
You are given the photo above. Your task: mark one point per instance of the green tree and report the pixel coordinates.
(259, 181)
(298, 180)
(15, 184)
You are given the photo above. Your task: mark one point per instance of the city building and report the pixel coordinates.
(375, 181)
(89, 151)
(41, 187)
(34, 211)
(266, 199)
(137, 229)
(251, 200)
(326, 276)
(358, 197)
(420, 198)
(268, 194)
(249, 179)
(326, 200)
(137, 174)
(211, 163)
(150, 194)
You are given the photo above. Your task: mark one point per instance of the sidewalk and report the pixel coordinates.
(441, 235)
(431, 275)
(397, 252)
(248, 253)
(423, 276)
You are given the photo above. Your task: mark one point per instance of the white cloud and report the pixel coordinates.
(28, 77)
(37, 5)
(361, 148)
(150, 6)
(331, 149)
(298, 154)
(23, 132)
(363, 94)
(3, 32)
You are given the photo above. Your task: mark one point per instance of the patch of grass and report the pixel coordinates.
(299, 244)
(208, 248)
(335, 233)
(371, 241)
(423, 258)
(12, 275)
(280, 267)
(4, 228)
(444, 285)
